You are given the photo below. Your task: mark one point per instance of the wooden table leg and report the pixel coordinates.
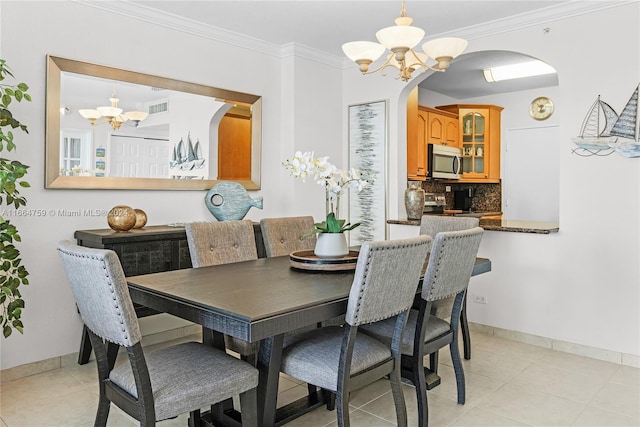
(269, 361)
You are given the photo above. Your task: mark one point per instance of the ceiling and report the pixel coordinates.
(324, 25)
(464, 79)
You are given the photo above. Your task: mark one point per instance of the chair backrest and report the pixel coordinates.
(434, 224)
(386, 279)
(224, 242)
(451, 262)
(284, 235)
(101, 293)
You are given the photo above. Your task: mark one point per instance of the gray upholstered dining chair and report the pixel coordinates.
(432, 225)
(285, 235)
(220, 242)
(451, 262)
(224, 242)
(340, 359)
(157, 385)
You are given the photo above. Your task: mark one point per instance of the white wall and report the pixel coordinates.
(310, 118)
(582, 284)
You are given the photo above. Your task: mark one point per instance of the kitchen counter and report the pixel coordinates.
(489, 224)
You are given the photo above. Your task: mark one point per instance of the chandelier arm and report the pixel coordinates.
(423, 64)
(381, 67)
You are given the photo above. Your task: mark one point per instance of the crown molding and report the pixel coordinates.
(529, 19)
(302, 51)
(179, 23)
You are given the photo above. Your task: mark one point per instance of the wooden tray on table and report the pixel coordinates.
(307, 260)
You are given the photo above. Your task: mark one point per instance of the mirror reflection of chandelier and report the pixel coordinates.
(112, 114)
(400, 40)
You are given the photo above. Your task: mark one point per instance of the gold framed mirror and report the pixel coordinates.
(108, 128)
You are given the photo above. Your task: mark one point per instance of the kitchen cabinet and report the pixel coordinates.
(441, 127)
(479, 139)
(416, 148)
(427, 125)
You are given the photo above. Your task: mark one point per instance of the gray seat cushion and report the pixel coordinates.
(182, 378)
(313, 356)
(383, 330)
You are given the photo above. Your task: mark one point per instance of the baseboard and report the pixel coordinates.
(186, 331)
(564, 346)
(52, 363)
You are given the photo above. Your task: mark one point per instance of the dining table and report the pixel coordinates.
(256, 301)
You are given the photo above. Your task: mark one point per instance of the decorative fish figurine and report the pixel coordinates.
(229, 201)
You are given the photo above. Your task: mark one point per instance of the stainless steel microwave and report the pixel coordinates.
(443, 162)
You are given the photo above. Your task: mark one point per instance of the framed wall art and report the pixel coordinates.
(368, 152)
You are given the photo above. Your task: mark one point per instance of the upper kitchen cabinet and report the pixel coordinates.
(427, 125)
(441, 126)
(479, 138)
(416, 148)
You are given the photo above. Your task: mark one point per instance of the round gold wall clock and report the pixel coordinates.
(541, 108)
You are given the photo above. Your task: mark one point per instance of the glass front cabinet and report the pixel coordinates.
(479, 140)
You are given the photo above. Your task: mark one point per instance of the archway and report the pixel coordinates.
(528, 146)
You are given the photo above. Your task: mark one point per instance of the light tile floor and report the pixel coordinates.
(508, 384)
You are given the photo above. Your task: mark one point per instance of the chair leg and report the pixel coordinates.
(103, 412)
(85, 347)
(466, 337)
(420, 383)
(459, 371)
(433, 362)
(249, 408)
(398, 397)
(194, 418)
(343, 408)
(331, 400)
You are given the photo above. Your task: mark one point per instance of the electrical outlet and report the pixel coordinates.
(447, 188)
(480, 299)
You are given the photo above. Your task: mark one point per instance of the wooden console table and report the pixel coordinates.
(150, 249)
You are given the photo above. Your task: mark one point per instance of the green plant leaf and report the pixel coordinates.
(12, 273)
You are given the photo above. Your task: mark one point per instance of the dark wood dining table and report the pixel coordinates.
(256, 301)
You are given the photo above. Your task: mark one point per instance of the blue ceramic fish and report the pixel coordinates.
(229, 201)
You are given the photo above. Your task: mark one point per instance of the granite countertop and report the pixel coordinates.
(511, 225)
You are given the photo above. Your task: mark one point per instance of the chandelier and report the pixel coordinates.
(112, 114)
(400, 39)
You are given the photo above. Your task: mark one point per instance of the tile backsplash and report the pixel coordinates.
(488, 197)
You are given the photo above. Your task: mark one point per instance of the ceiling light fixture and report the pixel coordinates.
(112, 114)
(400, 40)
(517, 71)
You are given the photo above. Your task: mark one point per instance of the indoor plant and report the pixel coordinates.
(12, 273)
(336, 182)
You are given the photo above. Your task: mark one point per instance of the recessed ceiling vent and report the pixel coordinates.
(159, 107)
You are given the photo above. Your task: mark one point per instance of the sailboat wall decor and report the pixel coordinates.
(627, 128)
(604, 132)
(595, 133)
(186, 156)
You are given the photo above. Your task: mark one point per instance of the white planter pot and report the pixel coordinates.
(331, 245)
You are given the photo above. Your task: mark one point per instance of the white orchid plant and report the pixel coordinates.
(335, 181)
